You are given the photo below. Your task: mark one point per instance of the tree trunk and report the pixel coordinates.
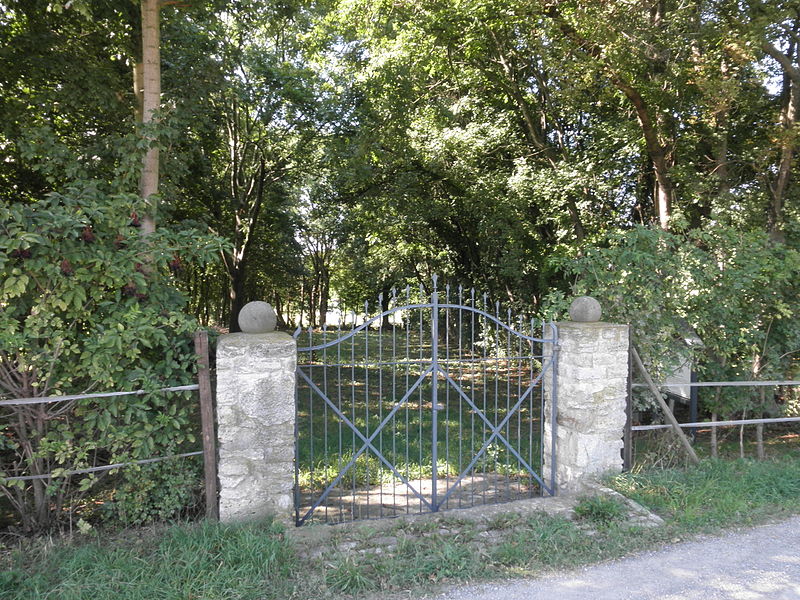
(760, 426)
(788, 118)
(656, 150)
(138, 91)
(741, 435)
(386, 298)
(778, 189)
(324, 295)
(237, 295)
(151, 102)
(277, 304)
(760, 441)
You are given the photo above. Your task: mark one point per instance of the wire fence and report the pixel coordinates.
(717, 423)
(68, 398)
(728, 423)
(695, 425)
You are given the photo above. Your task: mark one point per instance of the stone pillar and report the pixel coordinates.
(591, 393)
(255, 418)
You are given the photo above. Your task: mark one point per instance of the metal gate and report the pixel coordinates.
(435, 402)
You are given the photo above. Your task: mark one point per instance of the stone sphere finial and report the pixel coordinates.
(257, 317)
(585, 309)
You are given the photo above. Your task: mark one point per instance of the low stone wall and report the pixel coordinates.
(592, 383)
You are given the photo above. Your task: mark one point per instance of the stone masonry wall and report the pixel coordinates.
(255, 424)
(592, 376)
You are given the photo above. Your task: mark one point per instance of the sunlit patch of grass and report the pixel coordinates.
(717, 491)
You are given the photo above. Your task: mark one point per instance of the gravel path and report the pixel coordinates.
(754, 564)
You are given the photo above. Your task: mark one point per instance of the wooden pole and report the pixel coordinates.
(667, 412)
(207, 423)
(627, 448)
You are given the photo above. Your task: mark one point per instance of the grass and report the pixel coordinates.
(203, 561)
(260, 561)
(599, 510)
(718, 492)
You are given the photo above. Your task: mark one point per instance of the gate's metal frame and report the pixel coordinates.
(435, 370)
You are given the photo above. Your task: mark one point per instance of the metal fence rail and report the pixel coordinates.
(718, 423)
(102, 468)
(695, 425)
(51, 399)
(721, 384)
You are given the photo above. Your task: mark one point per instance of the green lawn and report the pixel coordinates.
(368, 376)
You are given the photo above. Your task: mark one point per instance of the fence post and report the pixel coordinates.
(207, 424)
(255, 418)
(591, 382)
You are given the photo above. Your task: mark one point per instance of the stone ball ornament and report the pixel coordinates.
(257, 317)
(585, 309)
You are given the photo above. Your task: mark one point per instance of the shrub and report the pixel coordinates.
(737, 290)
(88, 305)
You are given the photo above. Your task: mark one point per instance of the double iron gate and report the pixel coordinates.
(436, 402)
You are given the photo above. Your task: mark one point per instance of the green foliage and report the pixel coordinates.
(157, 491)
(737, 291)
(89, 305)
(600, 510)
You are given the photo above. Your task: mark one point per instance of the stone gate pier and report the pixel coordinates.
(255, 418)
(591, 395)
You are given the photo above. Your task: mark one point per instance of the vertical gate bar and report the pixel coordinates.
(473, 377)
(339, 400)
(311, 410)
(407, 320)
(554, 410)
(627, 444)
(353, 410)
(434, 392)
(508, 402)
(366, 401)
(420, 396)
(520, 368)
(394, 397)
(485, 345)
(496, 373)
(461, 379)
(447, 390)
(325, 406)
(380, 400)
(541, 407)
